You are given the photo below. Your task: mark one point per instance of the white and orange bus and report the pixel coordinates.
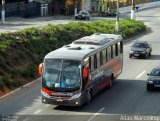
(74, 73)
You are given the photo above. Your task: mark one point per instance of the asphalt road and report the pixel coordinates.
(16, 23)
(128, 99)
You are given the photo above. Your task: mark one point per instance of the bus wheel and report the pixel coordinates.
(110, 84)
(111, 80)
(89, 97)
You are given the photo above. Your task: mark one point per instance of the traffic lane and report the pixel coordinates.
(139, 65)
(21, 99)
(110, 97)
(33, 107)
(125, 97)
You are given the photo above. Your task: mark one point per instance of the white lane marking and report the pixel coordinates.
(95, 114)
(140, 74)
(26, 119)
(37, 111)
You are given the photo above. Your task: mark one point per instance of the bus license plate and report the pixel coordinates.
(59, 100)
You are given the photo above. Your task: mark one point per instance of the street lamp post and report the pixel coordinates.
(133, 10)
(117, 18)
(3, 12)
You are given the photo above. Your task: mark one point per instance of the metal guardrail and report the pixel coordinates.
(141, 7)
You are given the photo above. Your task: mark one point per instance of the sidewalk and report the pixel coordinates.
(16, 23)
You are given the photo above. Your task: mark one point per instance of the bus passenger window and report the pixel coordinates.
(111, 51)
(101, 58)
(114, 50)
(91, 63)
(98, 59)
(116, 46)
(104, 56)
(95, 61)
(121, 46)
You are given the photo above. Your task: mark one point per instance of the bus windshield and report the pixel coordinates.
(62, 75)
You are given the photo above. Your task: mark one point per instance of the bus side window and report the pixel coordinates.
(91, 63)
(108, 53)
(104, 56)
(95, 61)
(111, 51)
(101, 58)
(116, 46)
(98, 59)
(121, 47)
(114, 50)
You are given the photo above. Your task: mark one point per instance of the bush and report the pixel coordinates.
(7, 82)
(1, 86)
(30, 70)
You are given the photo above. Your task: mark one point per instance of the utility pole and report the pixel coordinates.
(117, 18)
(3, 12)
(75, 9)
(133, 10)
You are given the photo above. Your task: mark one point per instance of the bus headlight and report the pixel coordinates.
(45, 94)
(75, 96)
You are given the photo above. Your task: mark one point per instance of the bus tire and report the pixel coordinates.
(111, 81)
(110, 84)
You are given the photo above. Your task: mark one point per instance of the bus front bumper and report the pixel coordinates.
(59, 101)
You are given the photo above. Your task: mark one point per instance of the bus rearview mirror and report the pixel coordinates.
(40, 67)
(85, 72)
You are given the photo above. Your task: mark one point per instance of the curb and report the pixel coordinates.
(18, 89)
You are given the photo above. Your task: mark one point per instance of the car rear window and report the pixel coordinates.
(139, 45)
(155, 72)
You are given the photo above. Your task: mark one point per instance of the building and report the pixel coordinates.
(21, 8)
(28, 8)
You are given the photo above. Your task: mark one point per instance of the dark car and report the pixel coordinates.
(140, 49)
(153, 79)
(112, 13)
(82, 15)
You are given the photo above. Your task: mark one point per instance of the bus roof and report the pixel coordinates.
(82, 47)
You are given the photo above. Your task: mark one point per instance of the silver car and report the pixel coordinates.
(140, 49)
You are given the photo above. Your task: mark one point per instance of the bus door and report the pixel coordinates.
(95, 74)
